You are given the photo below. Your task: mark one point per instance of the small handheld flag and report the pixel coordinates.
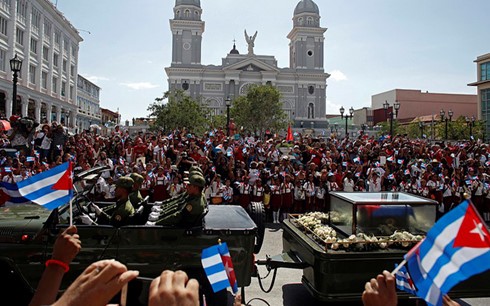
(216, 261)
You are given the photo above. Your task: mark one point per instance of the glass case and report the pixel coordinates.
(381, 213)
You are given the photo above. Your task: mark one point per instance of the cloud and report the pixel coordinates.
(95, 79)
(140, 85)
(332, 108)
(337, 75)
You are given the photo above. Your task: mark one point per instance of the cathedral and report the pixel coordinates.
(302, 85)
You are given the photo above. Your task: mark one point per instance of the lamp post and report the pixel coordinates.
(392, 114)
(471, 123)
(363, 128)
(421, 126)
(228, 104)
(15, 66)
(351, 111)
(444, 118)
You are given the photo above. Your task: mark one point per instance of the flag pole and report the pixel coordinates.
(71, 206)
(399, 267)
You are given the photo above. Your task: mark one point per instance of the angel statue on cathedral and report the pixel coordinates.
(250, 41)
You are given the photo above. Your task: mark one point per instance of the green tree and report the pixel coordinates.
(180, 111)
(260, 109)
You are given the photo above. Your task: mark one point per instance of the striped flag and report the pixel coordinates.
(9, 195)
(216, 261)
(404, 281)
(51, 188)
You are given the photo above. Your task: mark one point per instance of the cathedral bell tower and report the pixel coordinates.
(187, 28)
(306, 47)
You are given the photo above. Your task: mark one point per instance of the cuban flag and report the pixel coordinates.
(390, 158)
(122, 161)
(216, 261)
(357, 160)
(400, 161)
(404, 281)
(49, 189)
(455, 248)
(9, 195)
(30, 159)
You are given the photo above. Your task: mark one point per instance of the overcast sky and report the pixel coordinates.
(370, 46)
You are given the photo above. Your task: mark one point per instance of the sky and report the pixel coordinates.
(370, 46)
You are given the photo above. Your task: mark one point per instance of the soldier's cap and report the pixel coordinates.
(125, 182)
(196, 169)
(197, 180)
(137, 178)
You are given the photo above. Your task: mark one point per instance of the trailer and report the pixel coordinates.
(360, 236)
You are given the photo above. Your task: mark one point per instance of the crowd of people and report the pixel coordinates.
(293, 176)
(288, 177)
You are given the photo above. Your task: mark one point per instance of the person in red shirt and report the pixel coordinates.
(139, 150)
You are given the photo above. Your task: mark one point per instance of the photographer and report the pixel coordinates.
(22, 133)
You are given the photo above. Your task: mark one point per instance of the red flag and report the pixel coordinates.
(289, 137)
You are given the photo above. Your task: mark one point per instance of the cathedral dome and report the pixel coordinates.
(188, 2)
(306, 6)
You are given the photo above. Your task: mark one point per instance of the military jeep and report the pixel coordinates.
(28, 232)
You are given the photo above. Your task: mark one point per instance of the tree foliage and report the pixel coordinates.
(260, 109)
(180, 111)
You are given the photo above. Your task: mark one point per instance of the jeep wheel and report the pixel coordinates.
(257, 213)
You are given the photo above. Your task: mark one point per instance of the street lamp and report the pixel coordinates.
(421, 126)
(15, 66)
(363, 128)
(443, 118)
(351, 111)
(228, 104)
(392, 114)
(471, 123)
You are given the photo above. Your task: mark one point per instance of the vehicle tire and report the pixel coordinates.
(257, 213)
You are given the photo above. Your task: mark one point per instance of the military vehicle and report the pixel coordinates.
(28, 232)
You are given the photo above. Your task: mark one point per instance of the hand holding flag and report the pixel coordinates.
(455, 248)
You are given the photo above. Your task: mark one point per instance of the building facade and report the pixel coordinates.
(48, 44)
(88, 102)
(483, 89)
(415, 103)
(109, 120)
(302, 85)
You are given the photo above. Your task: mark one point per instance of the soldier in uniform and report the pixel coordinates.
(188, 208)
(135, 195)
(123, 210)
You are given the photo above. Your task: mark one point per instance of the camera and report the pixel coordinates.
(136, 292)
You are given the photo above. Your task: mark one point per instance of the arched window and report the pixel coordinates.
(187, 13)
(177, 14)
(311, 111)
(309, 21)
(300, 20)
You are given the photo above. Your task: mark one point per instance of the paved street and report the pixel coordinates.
(288, 290)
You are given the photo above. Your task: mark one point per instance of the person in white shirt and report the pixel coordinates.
(309, 187)
(348, 182)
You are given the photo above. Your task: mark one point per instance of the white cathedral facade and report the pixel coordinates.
(303, 84)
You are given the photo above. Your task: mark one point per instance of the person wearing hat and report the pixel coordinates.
(194, 205)
(123, 210)
(135, 195)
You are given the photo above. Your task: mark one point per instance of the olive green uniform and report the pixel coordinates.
(120, 216)
(135, 198)
(186, 212)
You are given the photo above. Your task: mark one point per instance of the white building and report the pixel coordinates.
(88, 101)
(303, 84)
(48, 44)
